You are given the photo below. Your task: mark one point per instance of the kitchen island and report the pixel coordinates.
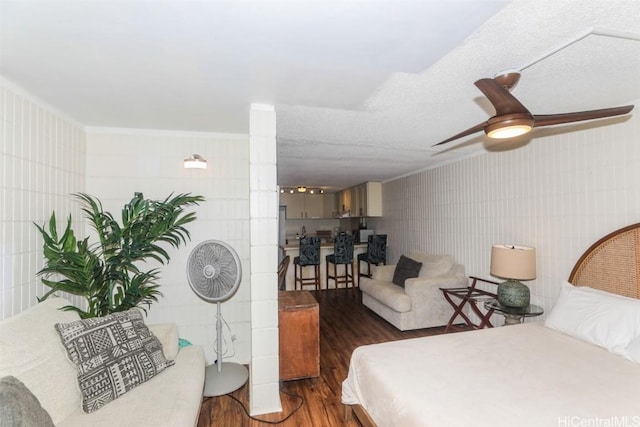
(293, 250)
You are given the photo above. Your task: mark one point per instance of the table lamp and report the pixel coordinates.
(513, 263)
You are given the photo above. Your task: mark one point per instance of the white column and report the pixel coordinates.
(264, 379)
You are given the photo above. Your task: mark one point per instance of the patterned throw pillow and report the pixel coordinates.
(113, 354)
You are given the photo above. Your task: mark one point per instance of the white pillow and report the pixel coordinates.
(167, 334)
(432, 265)
(598, 317)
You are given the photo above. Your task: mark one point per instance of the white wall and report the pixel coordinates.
(558, 194)
(121, 162)
(42, 163)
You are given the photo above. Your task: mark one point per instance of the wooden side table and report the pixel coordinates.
(299, 333)
(512, 315)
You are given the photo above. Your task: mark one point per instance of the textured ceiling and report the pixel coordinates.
(394, 131)
(362, 89)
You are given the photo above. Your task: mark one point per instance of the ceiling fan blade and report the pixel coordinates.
(476, 128)
(556, 119)
(501, 98)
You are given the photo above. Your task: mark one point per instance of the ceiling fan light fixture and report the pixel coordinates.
(508, 127)
(508, 131)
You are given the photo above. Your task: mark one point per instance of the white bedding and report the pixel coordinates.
(522, 375)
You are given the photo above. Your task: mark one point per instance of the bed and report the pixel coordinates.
(581, 366)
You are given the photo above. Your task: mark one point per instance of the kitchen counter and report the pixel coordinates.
(293, 250)
(296, 246)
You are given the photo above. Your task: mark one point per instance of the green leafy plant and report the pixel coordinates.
(108, 273)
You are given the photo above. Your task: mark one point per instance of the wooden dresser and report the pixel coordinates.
(299, 323)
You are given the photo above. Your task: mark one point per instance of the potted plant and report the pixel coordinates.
(108, 273)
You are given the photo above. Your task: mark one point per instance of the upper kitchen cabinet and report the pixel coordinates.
(369, 197)
(303, 206)
(344, 200)
(330, 205)
(362, 200)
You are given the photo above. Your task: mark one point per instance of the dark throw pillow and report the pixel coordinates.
(19, 407)
(406, 269)
(113, 354)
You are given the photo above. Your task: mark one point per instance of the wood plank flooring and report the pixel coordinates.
(344, 325)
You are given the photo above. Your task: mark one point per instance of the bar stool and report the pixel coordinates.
(376, 254)
(282, 273)
(342, 254)
(309, 256)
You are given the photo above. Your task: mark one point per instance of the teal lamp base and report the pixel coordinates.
(513, 294)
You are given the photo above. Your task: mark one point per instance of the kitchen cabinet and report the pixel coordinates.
(362, 200)
(344, 200)
(302, 206)
(372, 199)
(329, 205)
(294, 204)
(359, 197)
(313, 206)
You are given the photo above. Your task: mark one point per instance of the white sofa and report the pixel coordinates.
(31, 351)
(420, 304)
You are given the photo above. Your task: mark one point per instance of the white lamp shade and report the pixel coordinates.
(513, 262)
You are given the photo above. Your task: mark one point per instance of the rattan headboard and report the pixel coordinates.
(612, 263)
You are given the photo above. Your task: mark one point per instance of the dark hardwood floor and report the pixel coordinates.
(344, 325)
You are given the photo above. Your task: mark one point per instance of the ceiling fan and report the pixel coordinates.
(513, 119)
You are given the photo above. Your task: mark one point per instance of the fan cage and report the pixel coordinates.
(214, 271)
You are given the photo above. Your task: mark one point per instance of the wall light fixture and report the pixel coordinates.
(196, 161)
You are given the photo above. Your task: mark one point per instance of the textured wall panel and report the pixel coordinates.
(121, 162)
(42, 163)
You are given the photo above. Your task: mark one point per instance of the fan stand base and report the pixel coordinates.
(230, 378)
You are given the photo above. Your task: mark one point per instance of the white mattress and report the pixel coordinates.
(523, 375)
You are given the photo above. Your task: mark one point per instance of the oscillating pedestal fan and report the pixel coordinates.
(214, 274)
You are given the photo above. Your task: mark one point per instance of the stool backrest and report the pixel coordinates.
(309, 250)
(377, 248)
(343, 249)
(282, 272)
